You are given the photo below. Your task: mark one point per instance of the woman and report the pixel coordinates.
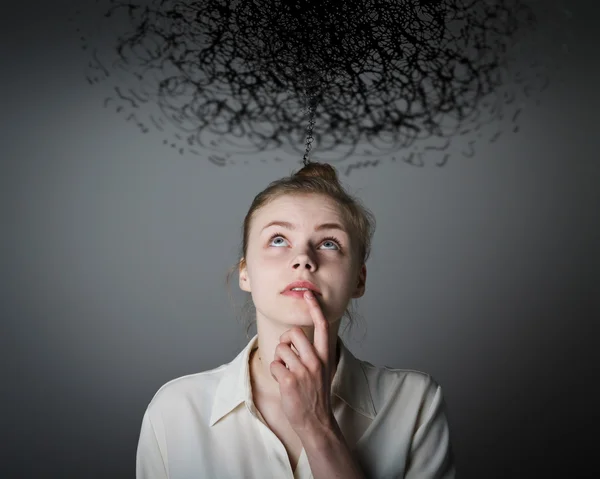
(296, 402)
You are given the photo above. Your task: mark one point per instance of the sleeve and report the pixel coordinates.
(431, 453)
(150, 463)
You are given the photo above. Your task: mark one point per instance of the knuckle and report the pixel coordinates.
(314, 364)
(296, 331)
(289, 381)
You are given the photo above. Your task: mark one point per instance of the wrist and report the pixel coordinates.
(321, 435)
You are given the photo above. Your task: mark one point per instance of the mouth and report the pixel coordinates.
(298, 294)
(297, 288)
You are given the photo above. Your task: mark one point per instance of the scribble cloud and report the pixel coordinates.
(399, 78)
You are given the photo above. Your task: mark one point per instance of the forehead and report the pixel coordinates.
(303, 210)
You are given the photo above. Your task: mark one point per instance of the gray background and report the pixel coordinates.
(114, 251)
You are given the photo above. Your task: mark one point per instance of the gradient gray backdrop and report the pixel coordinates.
(114, 251)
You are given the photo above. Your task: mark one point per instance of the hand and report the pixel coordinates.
(305, 383)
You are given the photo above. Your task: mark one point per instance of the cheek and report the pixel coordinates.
(264, 279)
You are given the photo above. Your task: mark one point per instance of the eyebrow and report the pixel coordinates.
(290, 226)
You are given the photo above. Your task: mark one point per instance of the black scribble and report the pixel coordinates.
(98, 64)
(140, 125)
(361, 164)
(106, 100)
(518, 78)
(138, 96)
(133, 103)
(444, 160)
(413, 159)
(470, 153)
(159, 127)
(217, 160)
(509, 97)
(495, 137)
(238, 76)
(96, 70)
(516, 115)
(440, 147)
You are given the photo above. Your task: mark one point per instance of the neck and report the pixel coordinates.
(268, 339)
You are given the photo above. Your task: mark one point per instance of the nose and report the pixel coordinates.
(304, 261)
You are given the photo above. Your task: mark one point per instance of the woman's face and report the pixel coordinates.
(279, 254)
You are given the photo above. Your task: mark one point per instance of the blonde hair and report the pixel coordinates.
(313, 178)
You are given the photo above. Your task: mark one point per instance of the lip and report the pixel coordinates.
(300, 284)
(294, 294)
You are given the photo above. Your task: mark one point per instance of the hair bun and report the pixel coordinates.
(318, 170)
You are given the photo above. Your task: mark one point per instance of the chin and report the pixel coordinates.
(298, 320)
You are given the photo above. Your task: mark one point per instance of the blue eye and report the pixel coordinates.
(329, 239)
(275, 238)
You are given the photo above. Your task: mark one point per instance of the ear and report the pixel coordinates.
(243, 273)
(359, 291)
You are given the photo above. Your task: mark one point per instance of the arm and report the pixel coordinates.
(305, 384)
(149, 459)
(329, 456)
(431, 453)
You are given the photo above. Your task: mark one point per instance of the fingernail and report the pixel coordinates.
(308, 295)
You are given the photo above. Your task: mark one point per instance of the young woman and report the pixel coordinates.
(295, 402)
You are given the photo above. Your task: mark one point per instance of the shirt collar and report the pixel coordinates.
(349, 384)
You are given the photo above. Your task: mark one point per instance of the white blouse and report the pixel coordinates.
(205, 425)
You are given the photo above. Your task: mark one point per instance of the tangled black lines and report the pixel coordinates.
(381, 73)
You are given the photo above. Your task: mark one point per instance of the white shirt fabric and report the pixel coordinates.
(205, 425)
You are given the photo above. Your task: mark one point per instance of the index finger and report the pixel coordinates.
(321, 336)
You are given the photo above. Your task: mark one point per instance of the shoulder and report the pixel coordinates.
(411, 403)
(387, 378)
(193, 391)
(408, 389)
